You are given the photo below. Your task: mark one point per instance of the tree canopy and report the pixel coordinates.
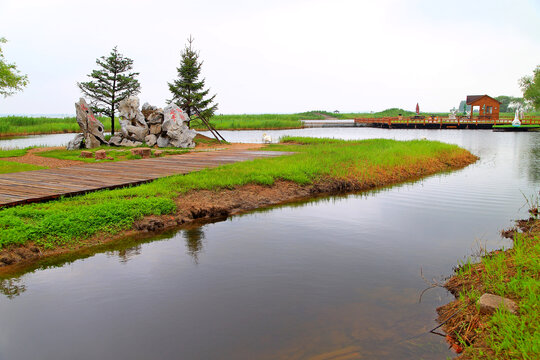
(187, 90)
(531, 88)
(509, 103)
(110, 84)
(11, 80)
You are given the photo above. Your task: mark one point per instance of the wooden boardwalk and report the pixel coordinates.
(438, 122)
(41, 185)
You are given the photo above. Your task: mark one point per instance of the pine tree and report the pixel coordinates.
(112, 83)
(188, 93)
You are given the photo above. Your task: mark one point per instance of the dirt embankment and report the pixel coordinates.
(205, 205)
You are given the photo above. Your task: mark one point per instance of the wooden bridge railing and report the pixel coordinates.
(527, 120)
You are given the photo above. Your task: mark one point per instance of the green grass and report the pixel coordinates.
(13, 152)
(23, 125)
(117, 154)
(514, 274)
(369, 163)
(513, 127)
(11, 167)
(258, 121)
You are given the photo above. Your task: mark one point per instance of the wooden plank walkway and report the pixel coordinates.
(41, 185)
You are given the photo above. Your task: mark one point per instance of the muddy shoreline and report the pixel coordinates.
(207, 205)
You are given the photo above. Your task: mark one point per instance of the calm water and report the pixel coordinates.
(314, 280)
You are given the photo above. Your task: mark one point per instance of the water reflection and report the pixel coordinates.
(125, 255)
(12, 287)
(194, 237)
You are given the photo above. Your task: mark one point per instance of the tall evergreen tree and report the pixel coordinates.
(188, 92)
(111, 84)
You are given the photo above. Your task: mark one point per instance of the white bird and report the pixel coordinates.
(267, 139)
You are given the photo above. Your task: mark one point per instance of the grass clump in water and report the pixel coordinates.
(365, 164)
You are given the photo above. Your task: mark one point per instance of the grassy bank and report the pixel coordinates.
(365, 164)
(514, 274)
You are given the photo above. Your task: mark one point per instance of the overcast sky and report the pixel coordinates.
(278, 56)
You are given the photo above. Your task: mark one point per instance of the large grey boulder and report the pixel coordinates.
(115, 140)
(92, 129)
(150, 140)
(132, 120)
(152, 114)
(126, 142)
(155, 129)
(163, 141)
(175, 128)
(76, 143)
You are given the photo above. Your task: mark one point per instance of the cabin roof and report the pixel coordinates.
(473, 98)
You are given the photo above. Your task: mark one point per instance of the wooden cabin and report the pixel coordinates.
(488, 107)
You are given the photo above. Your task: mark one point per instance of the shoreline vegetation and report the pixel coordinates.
(11, 126)
(317, 167)
(477, 333)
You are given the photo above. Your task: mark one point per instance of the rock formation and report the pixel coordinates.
(92, 128)
(151, 125)
(175, 130)
(132, 120)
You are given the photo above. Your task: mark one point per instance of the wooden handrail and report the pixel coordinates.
(528, 120)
